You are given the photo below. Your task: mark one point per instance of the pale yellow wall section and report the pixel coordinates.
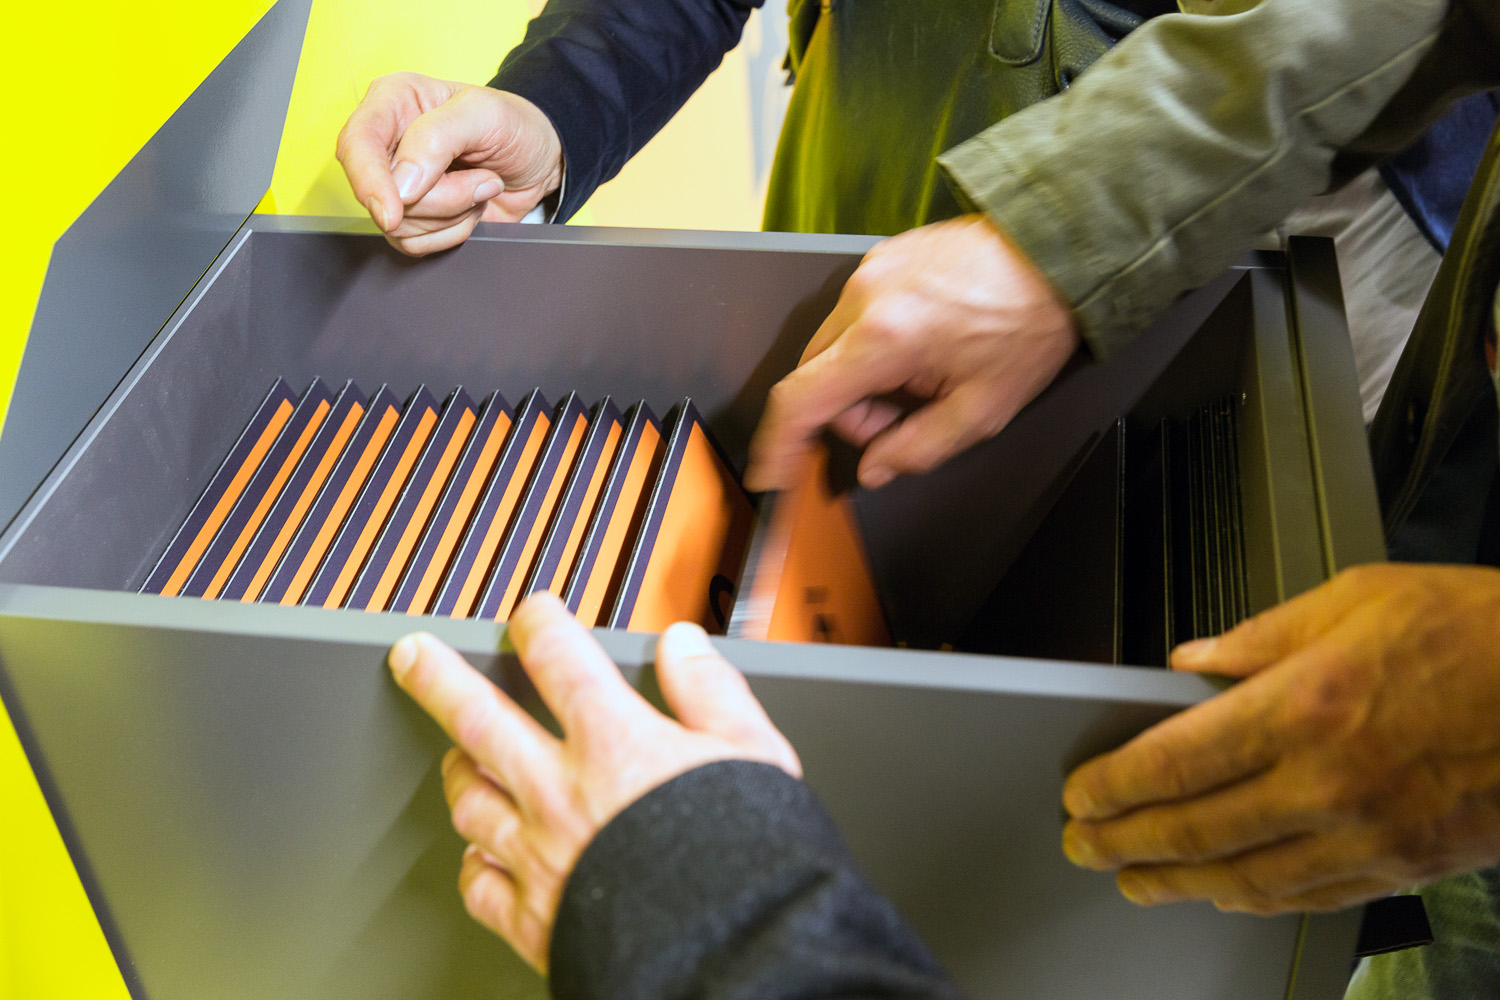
(92, 82)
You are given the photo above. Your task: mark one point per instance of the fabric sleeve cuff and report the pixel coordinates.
(558, 94)
(1039, 225)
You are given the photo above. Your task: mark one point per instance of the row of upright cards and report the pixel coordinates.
(462, 507)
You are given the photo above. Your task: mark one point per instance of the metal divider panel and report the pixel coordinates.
(357, 536)
(319, 528)
(693, 540)
(234, 535)
(439, 542)
(513, 562)
(560, 548)
(285, 516)
(218, 499)
(398, 539)
(476, 554)
(600, 567)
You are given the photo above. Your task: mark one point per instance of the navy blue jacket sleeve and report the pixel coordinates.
(730, 882)
(610, 73)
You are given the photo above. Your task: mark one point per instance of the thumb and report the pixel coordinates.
(432, 142)
(1270, 636)
(709, 696)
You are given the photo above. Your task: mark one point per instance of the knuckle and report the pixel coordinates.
(1340, 793)
(550, 805)
(424, 140)
(1249, 886)
(473, 721)
(1330, 703)
(1187, 841)
(1411, 845)
(467, 814)
(480, 900)
(888, 321)
(869, 273)
(778, 396)
(1163, 769)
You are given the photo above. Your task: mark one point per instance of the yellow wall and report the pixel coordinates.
(89, 85)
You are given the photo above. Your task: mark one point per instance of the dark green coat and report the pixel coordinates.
(886, 86)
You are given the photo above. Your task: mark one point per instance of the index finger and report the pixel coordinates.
(364, 150)
(479, 717)
(1212, 744)
(575, 677)
(808, 399)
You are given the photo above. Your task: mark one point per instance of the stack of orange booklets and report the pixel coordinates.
(462, 506)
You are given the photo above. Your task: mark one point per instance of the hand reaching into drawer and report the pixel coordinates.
(529, 803)
(949, 315)
(431, 158)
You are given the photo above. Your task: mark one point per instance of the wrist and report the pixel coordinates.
(1051, 311)
(545, 157)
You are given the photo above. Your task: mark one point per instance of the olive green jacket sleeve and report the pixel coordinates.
(1200, 131)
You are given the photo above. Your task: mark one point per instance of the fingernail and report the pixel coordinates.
(873, 479)
(403, 654)
(685, 640)
(377, 212)
(1078, 849)
(487, 190)
(406, 175)
(1196, 651)
(1135, 889)
(1078, 803)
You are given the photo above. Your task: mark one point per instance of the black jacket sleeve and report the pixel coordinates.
(610, 73)
(730, 882)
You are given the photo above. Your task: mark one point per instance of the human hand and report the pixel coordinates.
(1361, 755)
(529, 803)
(949, 313)
(430, 158)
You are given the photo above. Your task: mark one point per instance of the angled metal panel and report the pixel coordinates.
(136, 252)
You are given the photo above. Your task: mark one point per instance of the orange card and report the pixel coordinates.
(693, 540)
(513, 562)
(376, 584)
(597, 573)
(234, 535)
(464, 583)
(357, 537)
(435, 552)
(586, 482)
(271, 541)
(808, 578)
(336, 498)
(224, 490)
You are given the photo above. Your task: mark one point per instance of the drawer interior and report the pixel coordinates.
(1047, 541)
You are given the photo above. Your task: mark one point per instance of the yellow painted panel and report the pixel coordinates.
(92, 81)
